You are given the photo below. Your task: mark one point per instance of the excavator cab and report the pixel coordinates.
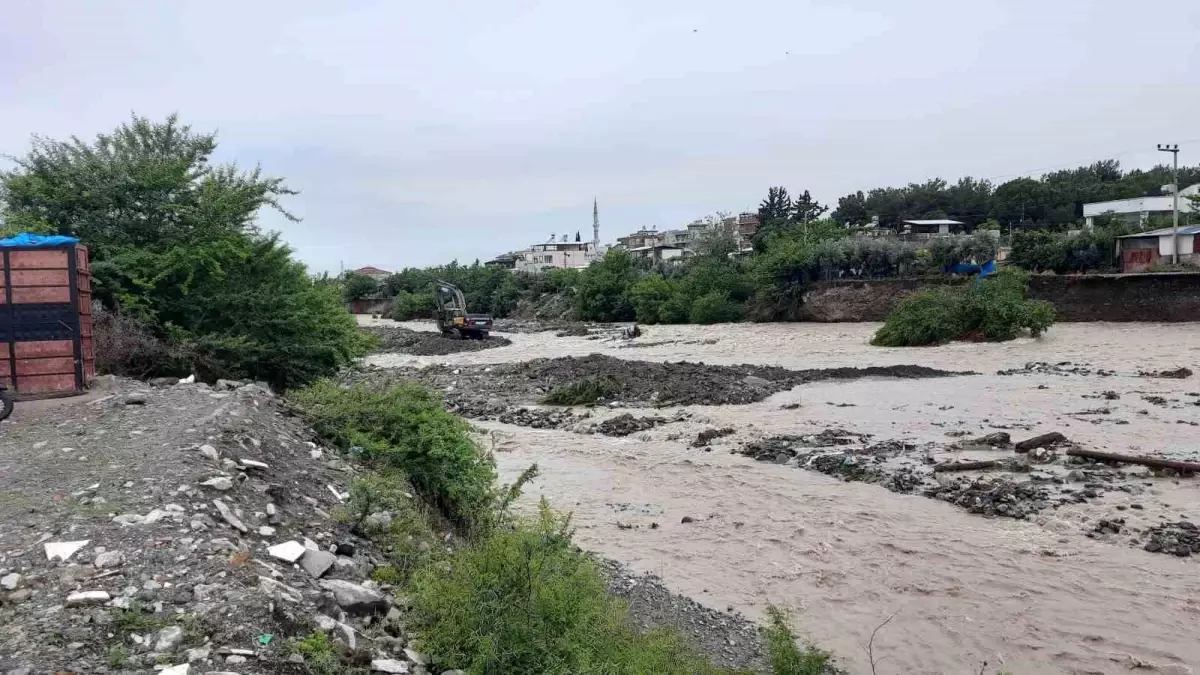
(452, 316)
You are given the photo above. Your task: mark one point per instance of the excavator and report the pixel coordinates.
(452, 316)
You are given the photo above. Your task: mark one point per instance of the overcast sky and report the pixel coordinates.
(418, 132)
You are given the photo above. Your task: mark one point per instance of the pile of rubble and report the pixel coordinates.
(183, 528)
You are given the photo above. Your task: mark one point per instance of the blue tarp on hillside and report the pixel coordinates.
(37, 240)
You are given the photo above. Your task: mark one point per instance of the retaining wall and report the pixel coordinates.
(1092, 297)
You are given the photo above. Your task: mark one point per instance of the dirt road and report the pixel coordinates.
(1026, 596)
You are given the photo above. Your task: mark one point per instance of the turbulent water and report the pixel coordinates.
(1024, 596)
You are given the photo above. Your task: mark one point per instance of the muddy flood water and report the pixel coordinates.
(1044, 594)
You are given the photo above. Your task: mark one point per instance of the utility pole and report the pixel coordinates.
(1174, 150)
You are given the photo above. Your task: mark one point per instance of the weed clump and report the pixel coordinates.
(526, 600)
(405, 429)
(992, 309)
(587, 391)
(786, 657)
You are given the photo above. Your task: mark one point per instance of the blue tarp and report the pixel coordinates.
(37, 240)
(986, 269)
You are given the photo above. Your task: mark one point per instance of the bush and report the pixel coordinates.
(714, 307)
(928, 317)
(602, 291)
(405, 428)
(125, 346)
(526, 600)
(990, 309)
(786, 657)
(649, 295)
(587, 391)
(408, 306)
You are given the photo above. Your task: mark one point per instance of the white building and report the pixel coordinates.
(561, 254)
(1141, 208)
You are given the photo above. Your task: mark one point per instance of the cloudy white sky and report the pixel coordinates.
(418, 132)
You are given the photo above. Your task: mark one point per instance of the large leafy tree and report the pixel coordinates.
(174, 244)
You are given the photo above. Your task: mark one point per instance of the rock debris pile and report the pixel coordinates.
(186, 527)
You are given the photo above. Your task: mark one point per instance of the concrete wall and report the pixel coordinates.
(1117, 297)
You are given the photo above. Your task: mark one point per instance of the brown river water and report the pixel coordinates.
(1024, 596)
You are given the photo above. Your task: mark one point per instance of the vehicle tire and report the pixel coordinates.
(6, 405)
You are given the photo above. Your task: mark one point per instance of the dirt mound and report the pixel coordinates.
(428, 343)
(686, 383)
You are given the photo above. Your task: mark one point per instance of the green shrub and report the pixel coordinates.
(407, 429)
(408, 306)
(992, 309)
(786, 657)
(714, 307)
(649, 295)
(526, 600)
(602, 290)
(587, 391)
(927, 317)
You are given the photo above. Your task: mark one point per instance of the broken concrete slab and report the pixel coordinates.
(63, 550)
(82, 598)
(288, 551)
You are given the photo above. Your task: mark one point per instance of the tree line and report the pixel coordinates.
(1055, 200)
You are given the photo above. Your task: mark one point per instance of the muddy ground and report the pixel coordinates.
(400, 340)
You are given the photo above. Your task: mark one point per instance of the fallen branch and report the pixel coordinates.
(1175, 464)
(966, 466)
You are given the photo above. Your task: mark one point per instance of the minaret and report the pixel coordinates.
(595, 225)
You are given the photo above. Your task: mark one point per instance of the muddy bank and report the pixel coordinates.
(396, 339)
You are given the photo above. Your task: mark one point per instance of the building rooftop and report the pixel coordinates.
(1164, 231)
(371, 270)
(938, 221)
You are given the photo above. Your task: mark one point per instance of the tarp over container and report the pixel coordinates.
(26, 240)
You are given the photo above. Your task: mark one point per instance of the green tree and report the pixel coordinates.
(602, 293)
(806, 209)
(358, 286)
(777, 205)
(852, 209)
(174, 244)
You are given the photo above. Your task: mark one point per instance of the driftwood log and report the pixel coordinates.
(1043, 441)
(966, 466)
(1175, 464)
